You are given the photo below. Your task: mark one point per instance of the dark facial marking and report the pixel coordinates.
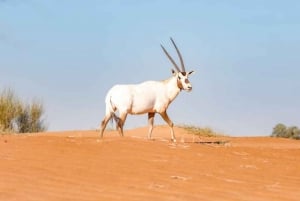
(179, 84)
(186, 81)
(183, 73)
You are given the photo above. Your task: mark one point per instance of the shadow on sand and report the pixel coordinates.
(218, 142)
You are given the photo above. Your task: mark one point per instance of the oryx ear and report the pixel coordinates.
(173, 71)
(191, 72)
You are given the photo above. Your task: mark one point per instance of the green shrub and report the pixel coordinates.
(19, 117)
(280, 130)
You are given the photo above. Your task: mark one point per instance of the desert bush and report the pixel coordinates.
(19, 117)
(10, 108)
(293, 132)
(280, 130)
(29, 119)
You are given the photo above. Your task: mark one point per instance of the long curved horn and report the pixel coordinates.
(180, 57)
(173, 62)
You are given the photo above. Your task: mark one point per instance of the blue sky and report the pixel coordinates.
(69, 53)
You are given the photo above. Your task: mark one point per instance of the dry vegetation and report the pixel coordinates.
(201, 132)
(16, 116)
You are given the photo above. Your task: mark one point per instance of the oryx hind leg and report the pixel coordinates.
(120, 123)
(104, 123)
(150, 122)
(165, 116)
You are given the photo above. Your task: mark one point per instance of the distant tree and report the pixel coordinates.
(16, 116)
(280, 130)
(293, 132)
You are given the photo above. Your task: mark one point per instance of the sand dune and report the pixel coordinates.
(77, 165)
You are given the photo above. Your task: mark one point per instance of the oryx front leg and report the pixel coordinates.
(150, 122)
(165, 116)
(121, 122)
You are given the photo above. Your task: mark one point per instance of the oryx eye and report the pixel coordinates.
(179, 78)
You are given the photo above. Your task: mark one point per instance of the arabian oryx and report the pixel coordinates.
(148, 97)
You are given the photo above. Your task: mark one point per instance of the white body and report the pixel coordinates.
(146, 97)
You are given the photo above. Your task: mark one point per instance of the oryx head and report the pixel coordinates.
(182, 76)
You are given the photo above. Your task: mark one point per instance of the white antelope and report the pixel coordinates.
(148, 97)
